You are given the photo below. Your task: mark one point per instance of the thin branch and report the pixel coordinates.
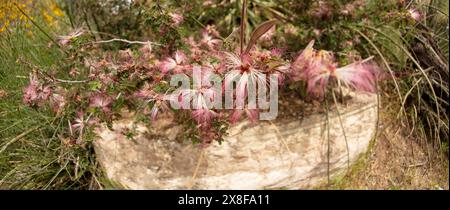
(342, 127)
(243, 24)
(71, 81)
(45, 74)
(197, 167)
(18, 137)
(127, 41)
(281, 136)
(328, 141)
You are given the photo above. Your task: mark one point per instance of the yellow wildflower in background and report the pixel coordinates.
(56, 10)
(10, 15)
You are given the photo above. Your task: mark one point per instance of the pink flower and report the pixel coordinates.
(176, 64)
(31, 91)
(101, 101)
(243, 70)
(360, 75)
(281, 72)
(145, 92)
(106, 78)
(58, 100)
(321, 10)
(64, 40)
(217, 68)
(79, 122)
(45, 93)
(35, 93)
(302, 62)
(318, 71)
(159, 103)
(211, 29)
(252, 115)
(277, 52)
(146, 53)
(415, 14)
(74, 72)
(272, 63)
(316, 68)
(204, 117)
(177, 19)
(191, 42)
(262, 56)
(209, 41)
(203, 95)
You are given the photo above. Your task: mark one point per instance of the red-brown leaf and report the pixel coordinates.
(258, 32)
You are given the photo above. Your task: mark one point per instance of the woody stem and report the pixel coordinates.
(243, 22)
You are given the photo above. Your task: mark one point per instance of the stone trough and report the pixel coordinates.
(293, 155)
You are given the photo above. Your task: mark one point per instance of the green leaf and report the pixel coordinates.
(95, 85)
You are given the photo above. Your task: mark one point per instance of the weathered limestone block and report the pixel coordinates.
(265, 155)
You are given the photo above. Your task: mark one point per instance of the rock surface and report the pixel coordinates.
(266, 155)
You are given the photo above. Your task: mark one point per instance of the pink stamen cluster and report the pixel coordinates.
(318, 67)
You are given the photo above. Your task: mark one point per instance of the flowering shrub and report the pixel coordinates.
(87, 80)
(159, 21)
(102, 84)
(100, 88)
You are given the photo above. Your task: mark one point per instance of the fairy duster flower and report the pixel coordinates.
(175, 63)
(318, 67)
